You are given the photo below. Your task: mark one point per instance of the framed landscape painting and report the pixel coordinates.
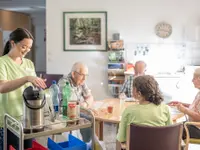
(85, 31)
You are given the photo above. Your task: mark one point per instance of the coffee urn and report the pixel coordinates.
(34, 102)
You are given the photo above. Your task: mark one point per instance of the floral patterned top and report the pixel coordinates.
(195, 106)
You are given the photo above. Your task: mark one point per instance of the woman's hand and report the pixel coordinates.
(174, 103)
(38, 82)
(181, 108)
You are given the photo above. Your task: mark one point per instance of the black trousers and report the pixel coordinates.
(194, 132)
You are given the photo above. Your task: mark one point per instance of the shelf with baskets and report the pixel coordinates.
(116, 66)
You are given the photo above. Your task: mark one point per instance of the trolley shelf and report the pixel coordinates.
(50, 128)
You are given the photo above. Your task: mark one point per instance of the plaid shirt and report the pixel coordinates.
(127, 87)
(82, 91)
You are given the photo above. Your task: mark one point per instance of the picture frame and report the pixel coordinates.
(85, 31)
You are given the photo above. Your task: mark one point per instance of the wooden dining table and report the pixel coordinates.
(102, 116)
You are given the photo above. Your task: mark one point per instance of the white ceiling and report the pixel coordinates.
(25, 6)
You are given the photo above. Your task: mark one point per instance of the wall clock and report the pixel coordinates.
(163, 30)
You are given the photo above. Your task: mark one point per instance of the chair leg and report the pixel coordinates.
(120, 146)
(182, 147)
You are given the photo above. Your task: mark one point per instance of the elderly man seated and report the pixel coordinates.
(127, 89)
(193, 110)
(76, 79)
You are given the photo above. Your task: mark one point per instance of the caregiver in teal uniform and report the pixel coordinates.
(16, 73)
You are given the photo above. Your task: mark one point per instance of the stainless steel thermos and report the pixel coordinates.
(33, 117)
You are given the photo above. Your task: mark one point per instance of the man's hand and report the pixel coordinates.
(122, 96)
(94, 111)
(84, 104)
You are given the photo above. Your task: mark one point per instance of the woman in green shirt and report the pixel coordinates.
(16, 73)
(150, 111)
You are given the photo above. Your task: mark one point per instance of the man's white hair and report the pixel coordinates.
(197, 71)
(142, 62)
(78, 66)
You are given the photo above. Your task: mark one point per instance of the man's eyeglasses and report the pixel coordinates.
(80, 74)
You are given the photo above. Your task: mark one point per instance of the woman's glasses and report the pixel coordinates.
(25, 47)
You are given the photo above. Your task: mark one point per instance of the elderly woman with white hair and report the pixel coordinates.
(192, 110)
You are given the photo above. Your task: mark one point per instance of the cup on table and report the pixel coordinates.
(110, 109)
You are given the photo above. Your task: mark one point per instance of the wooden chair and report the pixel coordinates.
(189, 140)
(140, 137)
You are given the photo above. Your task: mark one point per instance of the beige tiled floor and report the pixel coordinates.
(110, 131)
(194, 147)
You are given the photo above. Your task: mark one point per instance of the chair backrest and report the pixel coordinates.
(49, 77)
(154, 138)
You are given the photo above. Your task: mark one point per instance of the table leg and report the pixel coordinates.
(54, 137)
(99, 129)
(118, 145)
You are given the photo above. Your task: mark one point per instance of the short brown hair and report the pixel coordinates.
(149, 88)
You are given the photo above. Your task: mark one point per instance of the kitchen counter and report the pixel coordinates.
(169, 75)
(160, 75)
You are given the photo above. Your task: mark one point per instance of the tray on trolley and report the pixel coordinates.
(50, 128)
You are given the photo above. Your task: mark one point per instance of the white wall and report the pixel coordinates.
(39, 22)
(133, 19)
